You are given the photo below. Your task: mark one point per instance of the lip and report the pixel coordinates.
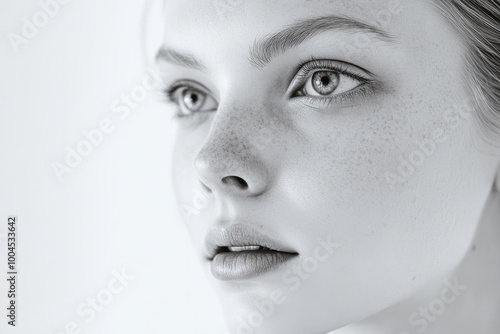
(244, 264)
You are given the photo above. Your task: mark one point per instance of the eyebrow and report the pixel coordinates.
(265, 49)
(182, 58)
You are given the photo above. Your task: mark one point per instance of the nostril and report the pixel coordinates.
(235, 181)
(205, 187)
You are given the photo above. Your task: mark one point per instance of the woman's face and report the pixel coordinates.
(340, 131)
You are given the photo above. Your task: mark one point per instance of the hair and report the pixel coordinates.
(478, 22)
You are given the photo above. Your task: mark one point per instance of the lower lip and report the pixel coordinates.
(229, 266)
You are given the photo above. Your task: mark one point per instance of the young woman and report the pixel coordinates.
(337, 162)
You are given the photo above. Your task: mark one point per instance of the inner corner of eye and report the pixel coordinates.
(297, 93)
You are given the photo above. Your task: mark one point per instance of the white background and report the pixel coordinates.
(116, 209)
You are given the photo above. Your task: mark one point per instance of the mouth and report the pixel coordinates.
(241, 252)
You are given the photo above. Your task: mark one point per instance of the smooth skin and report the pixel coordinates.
(257, 145)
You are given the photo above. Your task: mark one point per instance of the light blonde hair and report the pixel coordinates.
(478, 22)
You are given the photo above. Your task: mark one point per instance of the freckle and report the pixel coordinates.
(474, 248)
(414, 278)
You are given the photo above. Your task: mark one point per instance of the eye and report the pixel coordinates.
(324, 83)
(329, 81)
(190, 98)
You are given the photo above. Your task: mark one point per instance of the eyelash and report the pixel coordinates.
(304, 70)
(312, 65)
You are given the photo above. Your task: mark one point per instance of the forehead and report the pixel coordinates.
(223, 31)
(243, 20)
(260, 12)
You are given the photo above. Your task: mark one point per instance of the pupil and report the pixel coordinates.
(194, 98)
(325, 80)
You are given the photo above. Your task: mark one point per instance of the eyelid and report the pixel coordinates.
(171, 89)
(313, 65)
(345, 99)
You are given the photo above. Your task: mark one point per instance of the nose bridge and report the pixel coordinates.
(231, 131)
(230, 158)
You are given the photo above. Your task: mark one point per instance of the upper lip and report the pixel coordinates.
(219, 238)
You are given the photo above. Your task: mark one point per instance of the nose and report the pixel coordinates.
(230, 162)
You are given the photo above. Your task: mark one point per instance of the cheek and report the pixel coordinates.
(182, 172)
(195, 205)
(340, 183)
(189, 195)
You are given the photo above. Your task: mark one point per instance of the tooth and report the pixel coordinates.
(243, 248)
